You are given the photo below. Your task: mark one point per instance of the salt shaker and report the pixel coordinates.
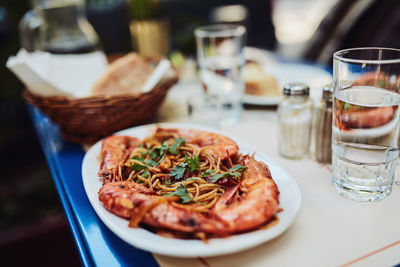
(323, 127)
(295, 115)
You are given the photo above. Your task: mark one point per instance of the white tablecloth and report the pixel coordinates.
(329, 229)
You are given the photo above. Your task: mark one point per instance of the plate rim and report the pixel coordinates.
(112, 221)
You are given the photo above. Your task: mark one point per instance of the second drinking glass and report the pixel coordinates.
(221, 58)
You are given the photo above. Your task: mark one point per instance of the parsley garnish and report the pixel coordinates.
(159, 151)
(164, 147)
(207, 173)
(167, 182)
(182, 192)
(152, 162)
(235, 171)
(216, 177)
(146, 173)
(138, 159)
(193, 163)
(138, 167)
(178, 171)
(148, 152)
(174, 148)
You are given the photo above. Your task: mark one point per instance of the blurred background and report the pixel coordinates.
(31, 216)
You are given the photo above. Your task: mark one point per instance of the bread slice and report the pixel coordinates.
(125, 75)
(258, 82)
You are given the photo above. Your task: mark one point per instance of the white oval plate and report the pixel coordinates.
(290, 201)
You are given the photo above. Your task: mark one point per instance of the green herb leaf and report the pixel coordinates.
(167, 182)
(148, 152)
(216, 177)
(236, 174)
(193, 163)
(146, 173)
(152, 162)
(138, 167)
(159, 151)
(138, 159)
(174, 148)
(154, 154)
(207, 173)
(182, 192)
(178, 171)
(164, 146)
(237, 167)
(235, 171)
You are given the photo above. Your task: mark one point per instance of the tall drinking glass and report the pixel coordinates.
(365, 130)
(221, 58)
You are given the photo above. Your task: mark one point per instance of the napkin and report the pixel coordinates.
(58, 75)
(162, 68)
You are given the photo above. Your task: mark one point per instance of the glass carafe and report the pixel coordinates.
(59, 27)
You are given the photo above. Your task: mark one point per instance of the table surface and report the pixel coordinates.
(363, 234)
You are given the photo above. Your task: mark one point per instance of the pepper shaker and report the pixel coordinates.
(295, 115)
(323, 127)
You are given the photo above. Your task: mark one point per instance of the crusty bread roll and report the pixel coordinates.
(125, 75)
(258, 82)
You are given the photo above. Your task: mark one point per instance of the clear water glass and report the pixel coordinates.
(365, 127)
(221, 58)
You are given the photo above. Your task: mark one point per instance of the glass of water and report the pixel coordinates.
(221, 58)
(365, 130)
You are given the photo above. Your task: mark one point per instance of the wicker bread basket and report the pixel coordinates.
(86, 120)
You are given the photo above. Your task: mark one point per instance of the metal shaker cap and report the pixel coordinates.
(296, 89)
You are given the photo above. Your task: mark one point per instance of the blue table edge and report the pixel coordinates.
(76, 232)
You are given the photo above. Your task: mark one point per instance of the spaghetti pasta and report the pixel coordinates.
(189, 182)
(166, 163)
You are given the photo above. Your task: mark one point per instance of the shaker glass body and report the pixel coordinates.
(295, 115)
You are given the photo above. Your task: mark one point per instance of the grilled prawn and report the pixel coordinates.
(115, 150)
(224, 145)
(241, 208)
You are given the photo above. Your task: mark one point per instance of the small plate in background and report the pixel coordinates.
(314, 76)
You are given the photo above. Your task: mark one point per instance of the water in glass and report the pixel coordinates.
(365, 131)
(221, 76)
